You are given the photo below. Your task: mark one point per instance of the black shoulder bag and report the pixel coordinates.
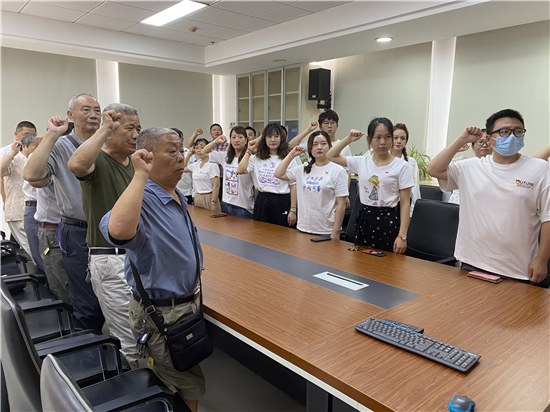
(187, 341)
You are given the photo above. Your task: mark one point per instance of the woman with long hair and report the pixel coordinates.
(276, 200)
(321, 186)
(385, 183)
(400, 140)
(206, 178)
(238, 193)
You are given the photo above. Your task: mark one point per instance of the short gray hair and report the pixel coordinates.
(72, 101)
(124, 109)
(149, 138)
(28, 139)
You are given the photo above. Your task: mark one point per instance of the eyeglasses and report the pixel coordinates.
(482, 142)
(327, 123)
(508, 132)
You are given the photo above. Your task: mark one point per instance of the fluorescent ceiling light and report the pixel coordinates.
(384, 39)
(175, 12)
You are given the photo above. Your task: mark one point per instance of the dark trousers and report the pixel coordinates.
(272, 208)
(86, 310)
(31, 229)
(543, 284)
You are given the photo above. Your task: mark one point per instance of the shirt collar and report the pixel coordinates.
(160, 193)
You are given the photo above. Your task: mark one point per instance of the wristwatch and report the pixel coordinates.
(404, 237)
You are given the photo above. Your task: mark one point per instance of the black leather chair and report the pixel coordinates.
(432, 231)
(352, 195)
(356, 206)
(137, 390)
(21, 359)
(430, 192)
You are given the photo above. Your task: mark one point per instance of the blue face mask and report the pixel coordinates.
(509, 146)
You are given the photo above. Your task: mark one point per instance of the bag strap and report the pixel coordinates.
(149, 308)
(75, 142)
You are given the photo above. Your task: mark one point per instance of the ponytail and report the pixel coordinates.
(309, 164)
(405, 154)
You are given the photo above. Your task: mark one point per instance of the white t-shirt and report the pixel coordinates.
(185, 185)
(455, 195)
(380, 186)
(317, 192)
(346, 151)
(237, 189)
(501, 210)
(263, 174)
(202, 176)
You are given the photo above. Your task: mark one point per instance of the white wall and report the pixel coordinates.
(500, 69)
(392, 83)
(168, 98)
(36, 86)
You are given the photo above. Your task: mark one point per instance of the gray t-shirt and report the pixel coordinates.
(66, 185)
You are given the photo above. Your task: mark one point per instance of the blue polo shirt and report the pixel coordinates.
(162, 248)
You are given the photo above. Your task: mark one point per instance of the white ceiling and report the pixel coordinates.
(249, 35)
(221, 20)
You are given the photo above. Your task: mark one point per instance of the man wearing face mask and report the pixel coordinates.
(504, 202)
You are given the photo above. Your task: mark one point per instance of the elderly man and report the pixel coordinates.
(103, 166)
(150, 220)
(50, 160)
(505, 202)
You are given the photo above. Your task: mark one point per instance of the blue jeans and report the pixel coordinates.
(31, 228)
(237, 211)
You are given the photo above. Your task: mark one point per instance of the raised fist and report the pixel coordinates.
(221, 140)
(143, 161)
(253, 145)
(58, 125)
(111, 120)
(297, 151)
(198, 131)
(355, 135)
(471, 134)
(312, 126)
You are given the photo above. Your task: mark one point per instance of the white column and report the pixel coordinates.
(107, 82)
(224, 95)
(441, 82)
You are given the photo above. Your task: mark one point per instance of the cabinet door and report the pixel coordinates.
(243, 100)
(258, 101)
(292, 99)
(275, 96)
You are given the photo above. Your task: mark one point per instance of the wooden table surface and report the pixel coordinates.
(312, 327)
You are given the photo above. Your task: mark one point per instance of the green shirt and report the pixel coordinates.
(100, 191)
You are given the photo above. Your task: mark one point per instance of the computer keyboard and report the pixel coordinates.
(416, 329)
(432, 349)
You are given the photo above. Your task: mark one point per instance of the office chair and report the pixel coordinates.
(347, 215)
(137, 390)
(430, 192)
(21, 359)
(432, 231)
(356, 206)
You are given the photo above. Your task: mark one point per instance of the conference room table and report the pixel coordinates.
(256, 284)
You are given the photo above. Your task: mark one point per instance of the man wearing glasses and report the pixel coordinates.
(504, 202)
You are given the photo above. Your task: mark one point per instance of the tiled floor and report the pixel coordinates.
(230, 387)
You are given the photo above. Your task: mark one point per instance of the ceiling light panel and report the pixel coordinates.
(175, 12)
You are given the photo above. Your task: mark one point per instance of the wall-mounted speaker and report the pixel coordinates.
(319, 84)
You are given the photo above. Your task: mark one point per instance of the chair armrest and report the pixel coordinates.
(46, 305)
(128, 401)
(30, 277)
(74, 342)
(450, 261)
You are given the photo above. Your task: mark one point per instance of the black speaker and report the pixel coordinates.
(319, 84)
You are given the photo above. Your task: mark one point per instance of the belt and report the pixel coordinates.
(170, 302)
(47, 225)
(30, 202)
(74, 222)
(107, 251)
